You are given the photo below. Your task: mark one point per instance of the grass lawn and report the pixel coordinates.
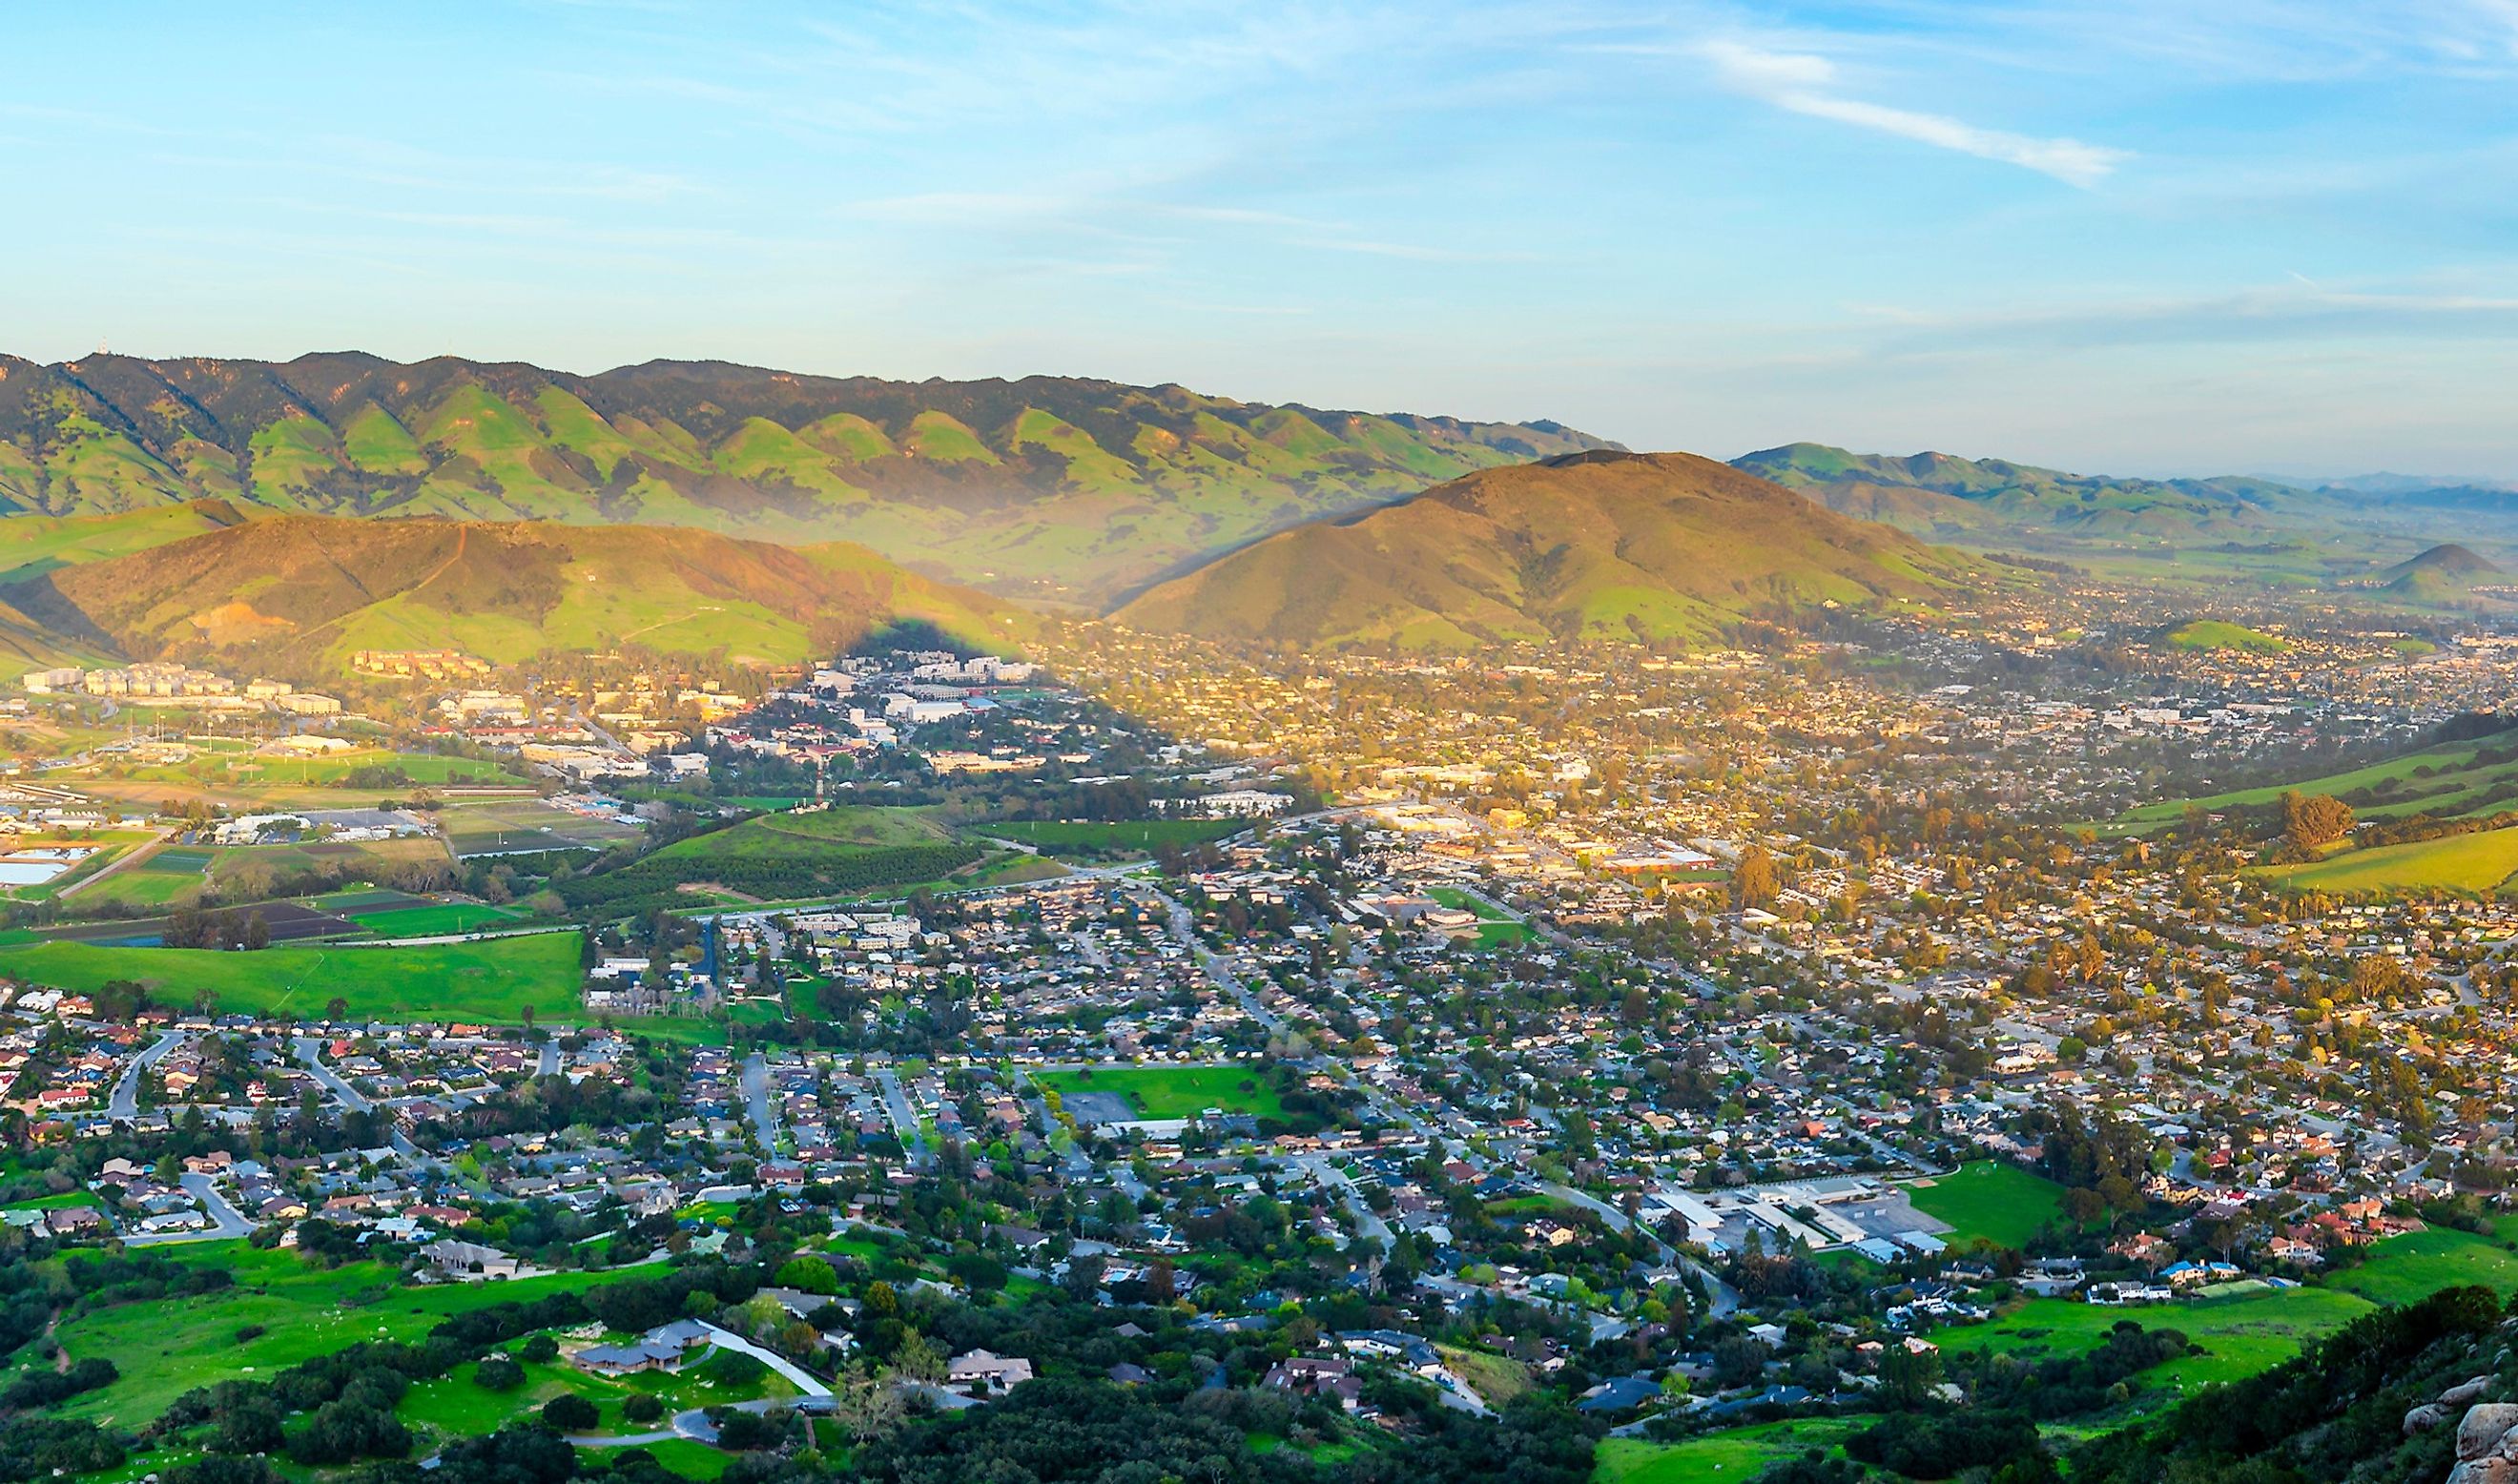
(493, 981)
(165, 1348)
(2242, 1332)
(2401, 1270)
(2213, 633)
(457, 1407)
(493, 826)
(1096, 838)
(1717, 1458)
(1174, 1092)
(1498, 1379)
(1999, 1202)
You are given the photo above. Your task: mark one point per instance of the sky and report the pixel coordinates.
(2132, 237)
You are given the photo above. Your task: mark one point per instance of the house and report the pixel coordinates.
(983, 1371)
(463, 1259)
(1331, 1378)
(665, 1347)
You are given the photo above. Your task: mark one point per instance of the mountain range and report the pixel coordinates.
(1602, 544)
(1060, 489)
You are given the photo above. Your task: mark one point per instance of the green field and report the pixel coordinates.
(2214, 634)
(1999, 1202)
(2250, 1329)
(435, 920)
(1730, 1456)
(2444, 781)
(2401, 1270)
(242, 770)
(492, 981)
(494, 826)
(1090, 840)
(457, 1407)
(1497, 929)
(2476, 864)
(1174, 1092)
(167, 1347)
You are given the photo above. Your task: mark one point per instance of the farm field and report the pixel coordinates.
(2401, 1270)
(165, 1348)
(1096, 840)
(353, 770)
(1987, 1199)
(794, 857)
(493, 981)
(1720, 1457)
(1174, 1092)
(2478, 864)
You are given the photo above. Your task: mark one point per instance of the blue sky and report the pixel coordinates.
(2140, 236)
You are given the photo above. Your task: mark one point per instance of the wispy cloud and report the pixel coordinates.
(1801, 83)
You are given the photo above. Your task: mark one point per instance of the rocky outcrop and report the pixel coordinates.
(2486, 1444)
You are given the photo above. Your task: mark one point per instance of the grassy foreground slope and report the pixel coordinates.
(1659, 546)
(300, 593)
(2474, 863)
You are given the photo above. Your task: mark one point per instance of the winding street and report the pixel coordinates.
(125, 1103)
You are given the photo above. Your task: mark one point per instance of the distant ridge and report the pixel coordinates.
(1052, 487)
(2445, 574)
(1599, 545)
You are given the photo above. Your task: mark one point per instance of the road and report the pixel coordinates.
(226, 1222)
(310, 1055)
(1184, 929)
(125, 1103)
(904, 1119)
(550, 1066)
(758, 1100)
(1327, 1172)
(130, 857)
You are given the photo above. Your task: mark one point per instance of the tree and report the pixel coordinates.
(919, 1360)
(336, 1010)
(541, 1349)
(2314, 820)
(569, 1412)
(866, 1403)
(1908, 1374)
(1753, 879)
(498, 1373)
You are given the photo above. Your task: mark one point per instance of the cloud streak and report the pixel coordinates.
(1800, 82)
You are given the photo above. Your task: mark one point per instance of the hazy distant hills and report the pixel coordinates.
(1947, 498)
(1056, 487)
(1658, 547)
(296, 595)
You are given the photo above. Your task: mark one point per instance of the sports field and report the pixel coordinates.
(2000, 1202)
(1174, 1092)
(1094, 840)
(495, 826)
(2478, 864)
(493, 981)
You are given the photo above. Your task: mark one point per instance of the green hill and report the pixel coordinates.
(1059, 488)
(2444, 576)
(2216, 634)
(1651, 547)
(296, 595)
